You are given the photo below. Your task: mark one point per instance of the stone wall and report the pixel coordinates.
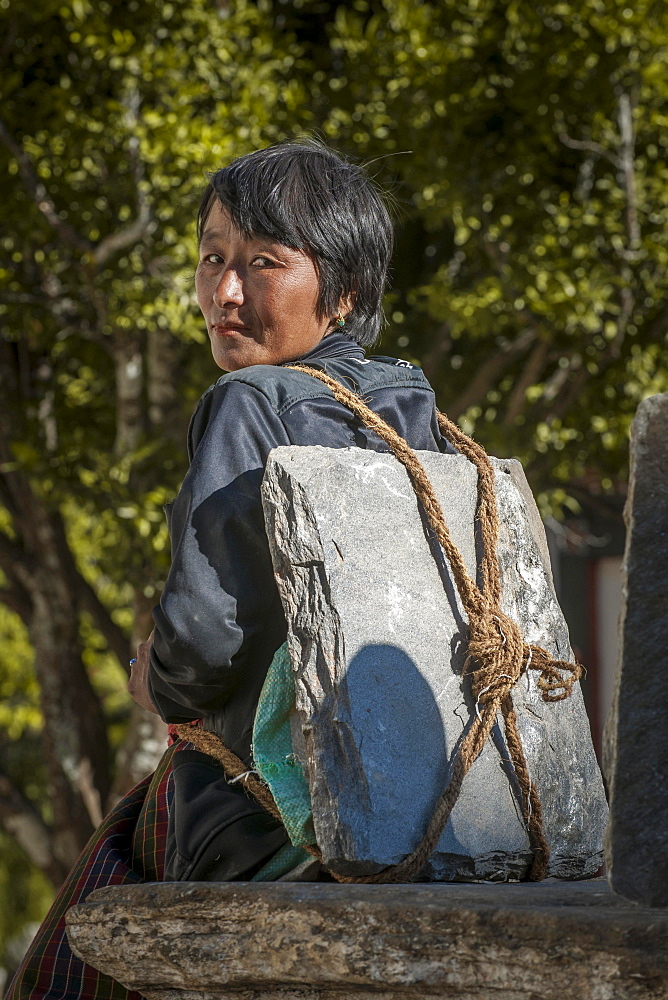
(279, 941)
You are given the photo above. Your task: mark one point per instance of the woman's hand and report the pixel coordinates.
(138, 683)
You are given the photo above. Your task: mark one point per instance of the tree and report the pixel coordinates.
(111, 115)
(527, 150)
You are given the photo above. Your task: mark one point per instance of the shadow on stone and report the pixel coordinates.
(388, 710)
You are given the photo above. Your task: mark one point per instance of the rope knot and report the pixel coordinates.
(495, 658)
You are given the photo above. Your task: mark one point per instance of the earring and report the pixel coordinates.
(340, 321)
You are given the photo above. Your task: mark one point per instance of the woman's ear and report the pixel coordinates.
(346, 303)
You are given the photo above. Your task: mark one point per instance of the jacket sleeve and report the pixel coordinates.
(221, 578)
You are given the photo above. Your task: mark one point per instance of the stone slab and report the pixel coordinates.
(377, 637)
(318, 941)
(637, 752)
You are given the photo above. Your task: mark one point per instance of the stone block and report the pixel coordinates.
(637, 751)
(377, 638)
(279, 941)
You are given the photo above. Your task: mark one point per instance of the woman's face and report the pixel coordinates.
(258, 298)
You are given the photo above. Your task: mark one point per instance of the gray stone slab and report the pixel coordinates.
(637, 752)
(274, 941)
(377, 637)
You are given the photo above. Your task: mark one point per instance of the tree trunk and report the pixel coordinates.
(129, 366)
(146, 738)
(75, 736)
(163, 357)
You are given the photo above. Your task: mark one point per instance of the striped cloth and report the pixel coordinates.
(128, 847)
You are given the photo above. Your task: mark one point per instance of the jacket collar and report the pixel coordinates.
(334, 345)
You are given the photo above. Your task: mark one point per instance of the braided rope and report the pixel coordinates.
(497, 655)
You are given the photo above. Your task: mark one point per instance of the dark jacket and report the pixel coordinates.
(220, 619)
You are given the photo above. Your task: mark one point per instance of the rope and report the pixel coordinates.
(235, 769)
(497, 655)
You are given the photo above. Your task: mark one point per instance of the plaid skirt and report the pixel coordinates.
(127, 848)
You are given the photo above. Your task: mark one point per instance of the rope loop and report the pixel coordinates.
(557, 677)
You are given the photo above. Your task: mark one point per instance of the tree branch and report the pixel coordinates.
(84, 595)
(16, 599)
(628, 301)
(584, 145)
(626, 163)
(142, 225)
(39, 194)
(528, 376)
(559, 377)
(117, 642)
(14, 560)
(23, 299)
(489, 371)
(569, 392)
(123, 238)
(62, 306)
(440, 346)
(7, 497)
(20, 819)
(128, 357)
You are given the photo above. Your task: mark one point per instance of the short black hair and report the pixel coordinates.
(308, 197)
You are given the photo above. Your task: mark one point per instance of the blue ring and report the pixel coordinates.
(133, 660)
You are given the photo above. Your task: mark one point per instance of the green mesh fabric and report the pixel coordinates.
(284, 861)
(273, 755)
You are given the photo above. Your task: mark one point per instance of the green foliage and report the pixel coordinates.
(536, 183)
(112, 115)
(26, 896)
(19, 693)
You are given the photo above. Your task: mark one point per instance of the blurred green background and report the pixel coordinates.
(523, 145)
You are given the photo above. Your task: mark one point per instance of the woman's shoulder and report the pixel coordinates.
(277, 385)
(263, 394)
(281, 386)
(258, 393)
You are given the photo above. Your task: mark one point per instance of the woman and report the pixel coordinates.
(295, 244)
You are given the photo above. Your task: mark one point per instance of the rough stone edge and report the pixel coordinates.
(534, 519)
(598, 945)
(638, 433)
(320, 619)
(585, 864)
(292, 993)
